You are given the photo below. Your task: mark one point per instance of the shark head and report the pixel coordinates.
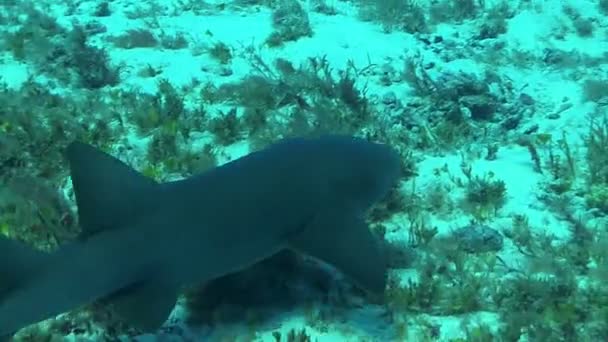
(353, 170)
(364, 172)
(352, 174)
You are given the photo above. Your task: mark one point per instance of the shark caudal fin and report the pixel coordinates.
(109, 193)
(112, 195)
(345, 242)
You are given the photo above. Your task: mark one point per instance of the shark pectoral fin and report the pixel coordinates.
(346, 243)
(146, 305)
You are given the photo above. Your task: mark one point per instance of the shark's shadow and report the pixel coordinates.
(286, 281)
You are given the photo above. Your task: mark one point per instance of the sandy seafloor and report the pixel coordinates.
(560, 107)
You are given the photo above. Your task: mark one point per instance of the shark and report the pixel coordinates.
(142, 241)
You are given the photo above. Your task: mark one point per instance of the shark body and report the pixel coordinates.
(143, 241)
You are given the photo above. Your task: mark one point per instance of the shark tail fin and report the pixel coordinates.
(345, 242)
(17, 264)
(109, 193)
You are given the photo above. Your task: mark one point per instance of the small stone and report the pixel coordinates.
(389, 98)
(479, 238)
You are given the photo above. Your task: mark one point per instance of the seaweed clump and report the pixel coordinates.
(66, 54)
(283, 100)
(290, 22)
(33, 137)
(596, 142)
(404, 15)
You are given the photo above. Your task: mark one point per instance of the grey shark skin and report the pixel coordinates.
(143, 241)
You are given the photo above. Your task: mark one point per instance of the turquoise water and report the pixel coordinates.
(495, 230)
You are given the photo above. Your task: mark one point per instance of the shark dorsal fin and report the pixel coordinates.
(109, 193)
